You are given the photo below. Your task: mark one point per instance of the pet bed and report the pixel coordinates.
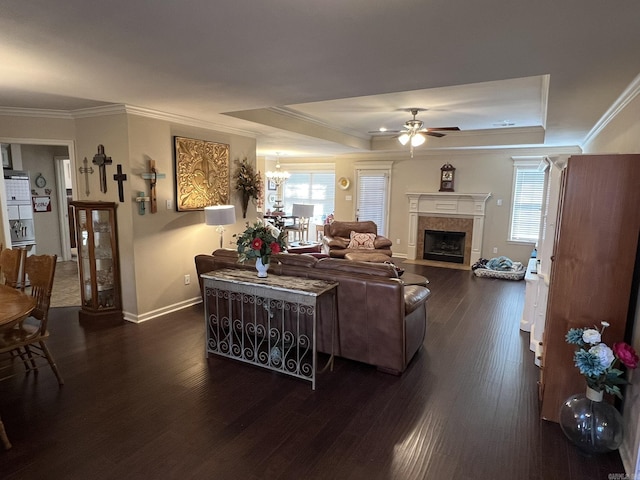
(500, 267)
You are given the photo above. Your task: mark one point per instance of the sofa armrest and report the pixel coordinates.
(414, 297)
(382, 242)
(336, 242)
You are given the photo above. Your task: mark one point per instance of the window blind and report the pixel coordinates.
(372, 198)
(527, 204)
(311, 188)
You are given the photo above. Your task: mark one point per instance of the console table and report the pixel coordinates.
(269, 322)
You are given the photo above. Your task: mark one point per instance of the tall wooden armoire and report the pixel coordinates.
(593, 262)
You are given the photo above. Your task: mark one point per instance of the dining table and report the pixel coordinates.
(15, 305)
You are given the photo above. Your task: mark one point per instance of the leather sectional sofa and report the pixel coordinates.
(381, 321)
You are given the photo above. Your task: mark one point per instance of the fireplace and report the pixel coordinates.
(447, 212)
(444, 246)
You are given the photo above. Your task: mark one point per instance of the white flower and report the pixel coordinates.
(591, 336)
(604, 353)
(604, 324)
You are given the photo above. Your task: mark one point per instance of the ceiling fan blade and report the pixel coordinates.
(435, 134)
(451, 129)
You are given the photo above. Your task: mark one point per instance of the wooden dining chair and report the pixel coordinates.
(11, 259)
(27, 339)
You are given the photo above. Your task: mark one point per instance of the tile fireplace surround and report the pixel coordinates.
(446, 209)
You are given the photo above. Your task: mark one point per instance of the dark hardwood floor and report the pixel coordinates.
(142, 401)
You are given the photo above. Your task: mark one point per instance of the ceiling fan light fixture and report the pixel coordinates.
(417, 140)
(404, 138)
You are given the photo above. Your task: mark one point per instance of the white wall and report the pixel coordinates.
(621, 136)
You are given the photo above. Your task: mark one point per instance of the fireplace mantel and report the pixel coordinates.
(447, 204)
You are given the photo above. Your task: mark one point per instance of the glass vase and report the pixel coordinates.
(261, 268)
(589, 423)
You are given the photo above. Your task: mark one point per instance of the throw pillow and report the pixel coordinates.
(362, 240)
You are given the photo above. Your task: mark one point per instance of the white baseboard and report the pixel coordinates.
(143, 317)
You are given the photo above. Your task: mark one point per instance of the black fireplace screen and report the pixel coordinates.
(444, 246)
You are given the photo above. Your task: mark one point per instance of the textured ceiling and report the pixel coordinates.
(313, 78)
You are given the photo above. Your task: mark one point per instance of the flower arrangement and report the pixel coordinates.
(259, 241)
(248, 182)
(597, 362)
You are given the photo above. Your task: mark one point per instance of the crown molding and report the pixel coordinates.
(294, 114)
(119, 109)
(36, 112)
(623, 100)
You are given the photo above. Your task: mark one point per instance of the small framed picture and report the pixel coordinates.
(271, 185)
(6, 155)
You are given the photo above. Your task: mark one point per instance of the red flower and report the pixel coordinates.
(256, 244)
(275, 247)
(626, 354)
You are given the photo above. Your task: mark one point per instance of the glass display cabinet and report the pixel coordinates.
(97, 241)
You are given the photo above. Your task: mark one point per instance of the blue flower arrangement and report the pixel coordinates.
(597, 362)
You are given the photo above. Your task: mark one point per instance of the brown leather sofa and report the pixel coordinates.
(337, 236)
(381, 322)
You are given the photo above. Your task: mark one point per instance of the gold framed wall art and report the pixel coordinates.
(202, 173)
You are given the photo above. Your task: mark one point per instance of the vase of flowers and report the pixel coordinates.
(249, 183)
(259, 241)
(591, 424)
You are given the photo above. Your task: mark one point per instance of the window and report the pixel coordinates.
(316, 188)
(528, 195)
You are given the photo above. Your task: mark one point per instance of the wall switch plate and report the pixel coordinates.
(398, 241)
(495, 249)
(187, 279)
(169, 204)
(348, 198)
(499, 202)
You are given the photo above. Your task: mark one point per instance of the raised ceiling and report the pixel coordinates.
(313, 78)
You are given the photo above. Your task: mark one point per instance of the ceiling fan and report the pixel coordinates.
(415, 132)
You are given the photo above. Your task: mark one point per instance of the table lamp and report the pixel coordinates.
(220, 215)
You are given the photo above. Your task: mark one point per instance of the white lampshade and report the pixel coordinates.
(220, 215)
(404, 138)
(417, 140)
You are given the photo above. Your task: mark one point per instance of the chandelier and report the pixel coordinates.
(278, 176)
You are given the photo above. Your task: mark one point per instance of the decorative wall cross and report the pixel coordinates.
(86, 170)
(101, 160)
(120, 178)
(153, 176)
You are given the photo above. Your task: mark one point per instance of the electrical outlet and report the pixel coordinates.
(169, 204)
(187, 279)
(495, 249)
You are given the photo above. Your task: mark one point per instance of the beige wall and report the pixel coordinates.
(621, 136)
(476, 172)
(39, 159)
(166, 242)
(156, 251)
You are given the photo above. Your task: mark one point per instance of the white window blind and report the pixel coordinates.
(526, 211)
(311, 188)
(372, 197)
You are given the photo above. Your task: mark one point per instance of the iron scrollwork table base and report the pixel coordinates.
(270, 322)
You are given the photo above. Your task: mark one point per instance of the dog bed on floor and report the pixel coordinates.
(500, 267)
